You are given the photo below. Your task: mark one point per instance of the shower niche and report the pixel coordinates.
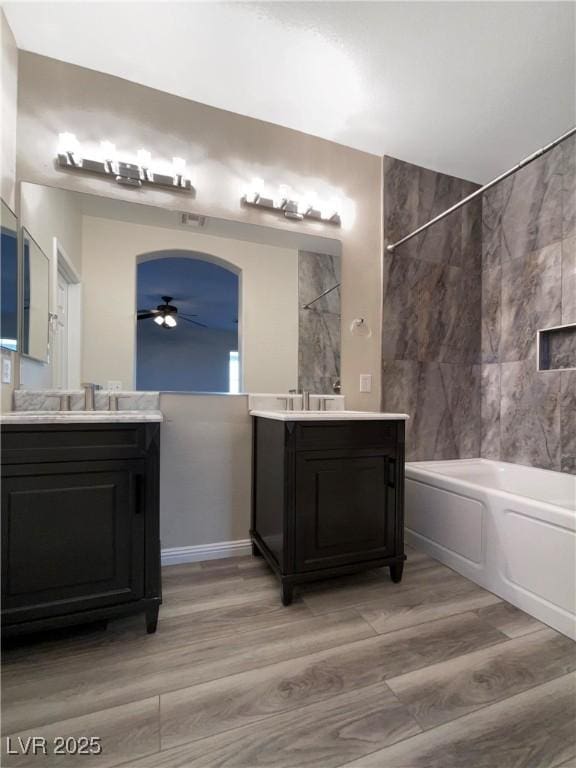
(557, 348)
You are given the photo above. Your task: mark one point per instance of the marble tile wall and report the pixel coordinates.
(431, 315)
(528, 283)
(49, 400)
(319, 326)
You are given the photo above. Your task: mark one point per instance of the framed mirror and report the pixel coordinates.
(222, 307)
(35, 299)
(9, 278)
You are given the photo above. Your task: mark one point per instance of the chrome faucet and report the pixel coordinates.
(89, 399)
(113, 400)
(289, 399)
(292, 394)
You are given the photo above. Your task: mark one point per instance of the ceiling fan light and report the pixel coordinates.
(159, 319)
(170, 321)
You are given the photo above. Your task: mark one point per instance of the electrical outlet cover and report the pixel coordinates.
(6, 370)
(365, 382)
(114, 386)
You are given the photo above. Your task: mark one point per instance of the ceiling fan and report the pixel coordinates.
(166, 315)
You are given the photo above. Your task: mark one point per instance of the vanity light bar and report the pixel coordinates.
(135, 175)
(290, 205)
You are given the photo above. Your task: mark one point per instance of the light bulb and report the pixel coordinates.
(309, 203)
(170, 321)
(331, 208)
(178, 166)
(108, 150)
(255, 190)
(67, 142)
(284, 193)
(159, 319)
(303, 205)
(144, 158)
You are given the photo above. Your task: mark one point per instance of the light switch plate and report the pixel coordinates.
(113, 386)
(365, 382)
(6, 370)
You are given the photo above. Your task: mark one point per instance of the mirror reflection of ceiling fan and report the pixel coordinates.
(166, 315)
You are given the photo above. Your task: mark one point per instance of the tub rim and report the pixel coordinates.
(422, 473)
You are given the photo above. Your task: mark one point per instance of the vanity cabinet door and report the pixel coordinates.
(344, 508)
(72, 537)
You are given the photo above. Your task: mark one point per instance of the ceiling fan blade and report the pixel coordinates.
(194, 322)
(185, 314)
(144, 314)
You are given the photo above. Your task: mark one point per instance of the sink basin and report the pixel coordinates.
(78, 417)
(329, 415)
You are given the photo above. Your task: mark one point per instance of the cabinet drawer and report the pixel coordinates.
(345, 434)
(33, 444)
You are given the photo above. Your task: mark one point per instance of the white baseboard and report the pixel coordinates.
(215, 551)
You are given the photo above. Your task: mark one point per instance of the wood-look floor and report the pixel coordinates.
(433, 672)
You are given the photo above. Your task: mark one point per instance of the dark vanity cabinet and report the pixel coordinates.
(327, 498)
(80, 524)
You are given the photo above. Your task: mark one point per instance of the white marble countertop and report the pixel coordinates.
(329, 415)
(79, 417)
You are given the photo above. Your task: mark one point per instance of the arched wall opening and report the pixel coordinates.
(201, 353)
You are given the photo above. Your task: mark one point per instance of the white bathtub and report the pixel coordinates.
(511, 529)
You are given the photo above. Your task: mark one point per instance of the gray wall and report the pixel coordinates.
(431, 313)
(319, 327)
(529, 282)
(205, 475)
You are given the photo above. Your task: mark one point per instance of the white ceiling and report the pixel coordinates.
(467, 88)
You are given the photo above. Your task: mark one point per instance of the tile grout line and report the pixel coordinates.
(297, 709)
(491, 703)
(431, 621)
(450, 722)
(498, 644)
(354, 610)
(384, 681)
(222, 677)
(368, 603)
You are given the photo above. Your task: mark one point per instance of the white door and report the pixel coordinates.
(60, 336)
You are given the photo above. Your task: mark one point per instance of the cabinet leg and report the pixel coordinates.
(286, 593)
(152, 619)
(255, 551)
(396, 572)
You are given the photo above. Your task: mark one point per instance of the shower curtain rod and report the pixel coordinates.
(392, 247)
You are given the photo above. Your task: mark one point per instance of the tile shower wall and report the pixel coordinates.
(431, 313)
(319, 331)
(529, 282)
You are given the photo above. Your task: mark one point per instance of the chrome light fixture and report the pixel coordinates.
(139, 174)
(295, 207)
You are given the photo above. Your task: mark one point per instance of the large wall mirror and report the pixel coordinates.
(220, 307)
(9, 278)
